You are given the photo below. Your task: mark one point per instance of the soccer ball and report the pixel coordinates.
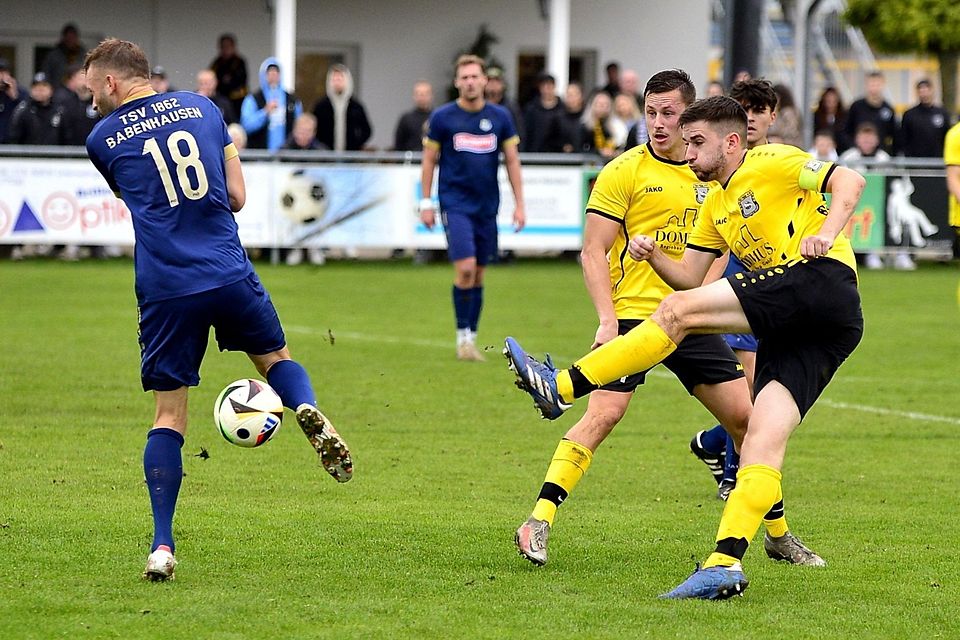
(248, 413)
(303, 199)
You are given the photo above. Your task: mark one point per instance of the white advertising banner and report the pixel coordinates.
(66, 201)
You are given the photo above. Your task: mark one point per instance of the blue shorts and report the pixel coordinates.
(741, 341)
(174, 332)
(470, 237)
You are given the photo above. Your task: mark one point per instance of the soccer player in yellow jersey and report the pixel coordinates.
(800, 299)
(951, 158)
(649, 190)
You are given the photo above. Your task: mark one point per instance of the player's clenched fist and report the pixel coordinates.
(641, 247)
(815, 246)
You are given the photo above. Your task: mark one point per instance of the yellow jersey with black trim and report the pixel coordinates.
(646, 195)
(769, 204)
(951, 157)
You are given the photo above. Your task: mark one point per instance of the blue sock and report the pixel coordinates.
(292, 383)
(731, 462)
(714, 440)
(475, 307)
(163, 471)
(462, 306)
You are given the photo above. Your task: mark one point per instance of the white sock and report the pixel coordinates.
(463, 336)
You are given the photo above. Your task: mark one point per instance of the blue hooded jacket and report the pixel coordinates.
(253, 113)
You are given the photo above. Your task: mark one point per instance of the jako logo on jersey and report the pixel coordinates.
(473, 143)
(654, 190)
(748, 204)
(701, 192)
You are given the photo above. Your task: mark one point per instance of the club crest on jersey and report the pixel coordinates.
(485, 125)
(701, 192)
(748, 204)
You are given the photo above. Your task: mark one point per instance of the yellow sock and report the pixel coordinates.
(637, 350)
(570, 462)
(776, 527)
(758, 489)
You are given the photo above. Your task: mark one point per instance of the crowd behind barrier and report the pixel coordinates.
(335, 200)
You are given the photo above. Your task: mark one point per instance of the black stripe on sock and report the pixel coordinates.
(581, 386)
(735, 547)
(776, 511)
(553, 492)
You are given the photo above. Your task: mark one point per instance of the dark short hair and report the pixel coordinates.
(923, 82)
(669, 80)
(868, 127)
(755, 94)
(543, 76)
(227, 36)
(124, 57)
(876, 73)
(721, 112)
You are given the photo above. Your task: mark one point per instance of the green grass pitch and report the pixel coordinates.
(449, 459)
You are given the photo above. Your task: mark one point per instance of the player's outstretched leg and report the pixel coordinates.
(712, 583)
(539, 379)
(292, 383)
(334, 454)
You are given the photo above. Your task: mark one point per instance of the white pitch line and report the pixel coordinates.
(440, 344)
(911, 415)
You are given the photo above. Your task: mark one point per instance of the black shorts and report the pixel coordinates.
(698, 359)
(807, 318)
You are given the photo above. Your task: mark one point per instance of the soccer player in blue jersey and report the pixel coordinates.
(170, 159)
(465, 138)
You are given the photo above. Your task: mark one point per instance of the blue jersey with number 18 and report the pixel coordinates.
(165, 156)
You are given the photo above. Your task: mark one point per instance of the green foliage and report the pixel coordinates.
(908, 26)
(449, 460)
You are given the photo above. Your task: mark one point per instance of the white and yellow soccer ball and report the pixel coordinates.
(248, 413)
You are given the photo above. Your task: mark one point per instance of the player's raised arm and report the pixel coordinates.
(686, 273)
(845, 185)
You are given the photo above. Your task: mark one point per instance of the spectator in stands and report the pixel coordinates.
(76, 101)
(304, 135)
(567, 123)
(924, 127)
(830, 115)
(539, 116)
(496, 92)
(715, 88)
(866, 145)
(37, 120)
(342, 123)
(787, 126)
(637, 130)
(67, 52)
(268, 114)
(207, 86)
(824, 148)
(412, 125)
(231, 71)
(11, 94)
(625, 108)
(873, 107)
(612, 88)
(601, 132)
(159, 80)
